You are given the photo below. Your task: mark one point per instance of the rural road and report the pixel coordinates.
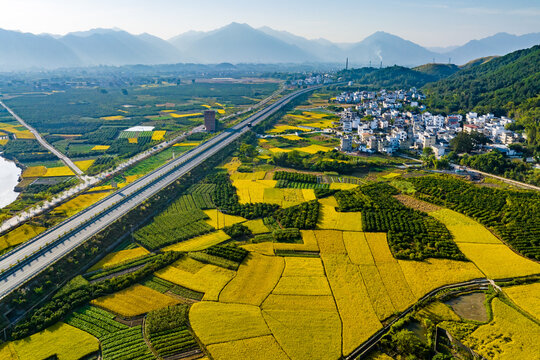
(45, 144)
(29, 259)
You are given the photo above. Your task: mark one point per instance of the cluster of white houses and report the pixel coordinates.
(386, 121)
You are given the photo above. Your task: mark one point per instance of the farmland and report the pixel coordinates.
(304, 255)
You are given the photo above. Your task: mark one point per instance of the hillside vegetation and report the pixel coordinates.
(508, 85)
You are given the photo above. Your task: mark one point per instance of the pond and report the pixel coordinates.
(9, 178)
(470, 306)
(418, 330)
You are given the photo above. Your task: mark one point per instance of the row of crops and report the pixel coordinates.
(300, 185)
(192, 201)
(120, 267)
(164, 286)
(173, 226)
(125, 344)
(295, 177)
(513, 215)
(412, 234)
(168, 332)
(134, 134)
(95, 321)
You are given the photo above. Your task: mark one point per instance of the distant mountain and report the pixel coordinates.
(21, 51)
(389, 49)
(239, 43)
(321, 49)
(498, 44)
(116, 47)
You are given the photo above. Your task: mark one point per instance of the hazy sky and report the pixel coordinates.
(427, 22)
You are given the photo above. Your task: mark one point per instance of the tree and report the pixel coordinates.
(462, 143)
(408, 343)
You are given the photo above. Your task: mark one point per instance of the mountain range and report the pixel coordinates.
(234, 43)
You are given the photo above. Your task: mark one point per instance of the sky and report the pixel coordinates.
(426, 22)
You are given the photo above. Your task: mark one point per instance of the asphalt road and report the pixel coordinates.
(29, 259)
(45, 144)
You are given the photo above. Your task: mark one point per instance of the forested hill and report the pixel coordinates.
(507, 85)
(393, 77)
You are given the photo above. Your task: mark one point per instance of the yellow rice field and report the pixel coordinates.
(263, 248)
(184, 115)
(219, 220)
(200, 242)
(283, 197)
(255, 279)
(300, 266)
(84, 164)
(329, 218)
(302, 285)
(101, 147)
(19, 235)
(119, 257)
(424, 276)
(498, 261)
(526, 297)
(342, 186)
(59, 171)
(313, 149)
(210, 280)
(215, 322)
(133, 301)
(292, 137)
(252, 190)
(438, 310)
(282, 128)
(310, 243)
(493, 258)
(380, 299)
(79, 203)
(187, 144)
(112, 118)
(133, 140)
(265, 347)
(305, 334)
(391, 274)
(158, 135)
(509, 336)
(34, 171)
(256, 226)
(62, 340)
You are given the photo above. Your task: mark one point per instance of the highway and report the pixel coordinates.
(45, 144)
(29, 259)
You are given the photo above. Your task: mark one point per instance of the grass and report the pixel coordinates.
(200, 242)
(265, 347)
(19, 235)
(210, 280)
(219, 220)
(100, 147)
(255, 279)
(439, 312)
(62, 340)
(509, 336)
(133, 301)
(526, 297)
(216, 322)
(119, 257)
